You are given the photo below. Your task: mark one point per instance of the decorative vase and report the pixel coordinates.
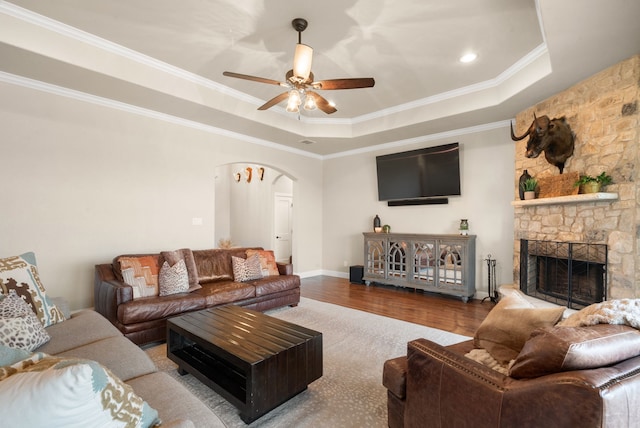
(464, 226)
(529, 194)
(386, 228)
(376, 224)
(590, 187)
(524, 177)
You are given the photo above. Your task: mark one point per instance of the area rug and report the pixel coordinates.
(350, 393)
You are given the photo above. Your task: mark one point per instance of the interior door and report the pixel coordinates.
(283, 208)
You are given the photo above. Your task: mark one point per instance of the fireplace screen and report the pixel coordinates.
(566, 273)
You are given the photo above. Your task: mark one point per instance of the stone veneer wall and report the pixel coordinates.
(603, 112)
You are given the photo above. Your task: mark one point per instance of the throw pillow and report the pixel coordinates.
(141, 273)
(20, 273)
(173, 279)
(510, 323)
(10, 356)
(69, 392)
(557, 349)
(19, 326)
(267, 261)
(187, 255)
(246, 269)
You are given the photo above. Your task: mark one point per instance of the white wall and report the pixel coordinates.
(351, 202)
(83, 183)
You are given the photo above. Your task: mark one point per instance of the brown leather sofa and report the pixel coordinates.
(576, 377)
(143, 320)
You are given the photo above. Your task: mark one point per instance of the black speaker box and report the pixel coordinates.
(355, 274)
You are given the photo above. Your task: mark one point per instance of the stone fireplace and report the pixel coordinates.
(603, 113)
(571, 274)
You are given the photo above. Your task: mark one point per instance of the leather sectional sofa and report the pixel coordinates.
(143, 320)
(571, 374)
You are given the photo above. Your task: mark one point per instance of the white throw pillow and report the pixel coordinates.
(173, 279)
(47, 391)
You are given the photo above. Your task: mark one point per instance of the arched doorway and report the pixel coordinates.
(250, 207)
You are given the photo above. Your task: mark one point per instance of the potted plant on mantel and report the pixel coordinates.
(590, 184)
(529, 186)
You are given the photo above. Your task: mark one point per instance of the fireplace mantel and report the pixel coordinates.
(571, 199)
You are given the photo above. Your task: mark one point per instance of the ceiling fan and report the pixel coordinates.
(299, 81)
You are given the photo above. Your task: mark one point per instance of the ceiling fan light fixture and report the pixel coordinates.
(302, 61)
(309, 102)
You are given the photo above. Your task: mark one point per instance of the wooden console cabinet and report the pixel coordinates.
(435, 263)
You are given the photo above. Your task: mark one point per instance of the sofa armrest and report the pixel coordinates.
(109, 292)
(285, 268)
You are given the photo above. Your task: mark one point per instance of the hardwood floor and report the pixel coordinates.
(445, 313)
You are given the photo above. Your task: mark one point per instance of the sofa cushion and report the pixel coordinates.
(215, 265)
(267, 261)
(19, 326)
(69, 393)
(557, 349)
(510, 323)
(83, 327)
(246, 269)
(172, 257)
(20, 273)
(173, 279)
(155, 308)
(141, 273)
(220, 293)
(122, 356)
(273, 284)
(174, 401)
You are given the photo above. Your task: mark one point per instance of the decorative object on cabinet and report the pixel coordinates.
(248, 172)
(464, 226)
(376, 224)
(386, 228)
(261, 173)
(237, 177)
(525, 175)
(435, 263)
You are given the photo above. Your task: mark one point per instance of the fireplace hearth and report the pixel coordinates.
(570, 274)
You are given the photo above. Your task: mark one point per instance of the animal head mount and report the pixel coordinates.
(551, 136)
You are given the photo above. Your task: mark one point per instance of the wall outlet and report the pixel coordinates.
(346, 263)
(196, 221)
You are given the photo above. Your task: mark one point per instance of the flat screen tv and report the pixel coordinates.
(424, 173)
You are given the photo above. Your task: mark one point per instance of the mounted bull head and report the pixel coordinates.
(553, 137)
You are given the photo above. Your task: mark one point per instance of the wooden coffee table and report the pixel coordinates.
(253, 360)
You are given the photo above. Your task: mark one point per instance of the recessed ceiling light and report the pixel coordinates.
(470, 57)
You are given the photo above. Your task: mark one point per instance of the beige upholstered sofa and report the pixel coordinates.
(88, 335)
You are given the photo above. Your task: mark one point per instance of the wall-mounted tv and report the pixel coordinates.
(431, 172)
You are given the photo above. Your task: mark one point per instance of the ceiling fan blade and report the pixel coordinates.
(322, 103)
(273, 101)
(253, 78)
(362, 82)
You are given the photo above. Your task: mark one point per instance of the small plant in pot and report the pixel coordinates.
(590, 184)
(529, 186)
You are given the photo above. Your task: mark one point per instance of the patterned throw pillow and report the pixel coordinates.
(19, 327)
(20, 273)
(246, 269)
(174, 279)
(267, 261)
(69, 392)
(141, 273)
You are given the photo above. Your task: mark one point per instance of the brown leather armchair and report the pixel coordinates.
(576, 377)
